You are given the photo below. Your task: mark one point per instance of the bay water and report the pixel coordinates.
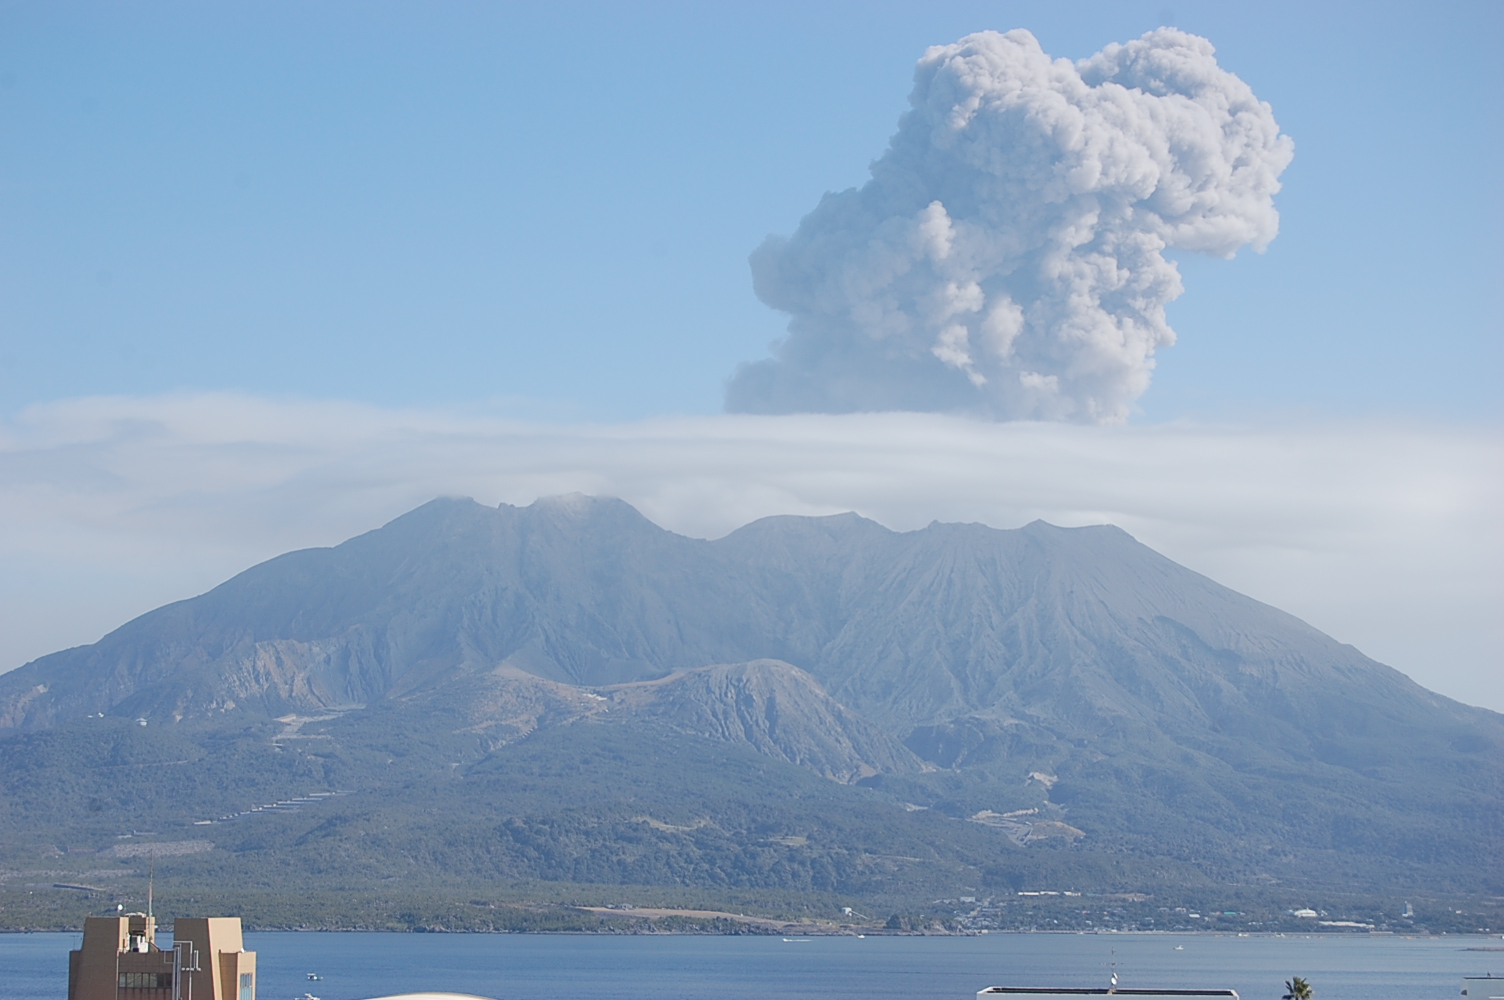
(686, 967)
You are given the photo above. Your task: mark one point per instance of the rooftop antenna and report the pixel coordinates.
(151, 877)
(1113, 983)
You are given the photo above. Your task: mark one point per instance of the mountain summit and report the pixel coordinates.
(1073, 675)
(1073, 627)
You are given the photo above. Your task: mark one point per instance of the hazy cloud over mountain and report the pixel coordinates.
(1006, 257)
(1386, 537)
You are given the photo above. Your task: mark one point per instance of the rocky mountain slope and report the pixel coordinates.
(774, 708)
(1058, 690)
(1072, 627)
(768, 706)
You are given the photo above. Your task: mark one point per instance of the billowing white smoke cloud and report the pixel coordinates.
(1006, 259)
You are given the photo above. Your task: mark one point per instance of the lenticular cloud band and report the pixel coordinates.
(1006, 258)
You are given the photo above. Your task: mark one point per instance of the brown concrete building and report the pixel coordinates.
(120, 960)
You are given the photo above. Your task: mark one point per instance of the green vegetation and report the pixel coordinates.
(431, 830)
(1297, 989)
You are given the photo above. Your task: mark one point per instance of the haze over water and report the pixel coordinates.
(555, 967)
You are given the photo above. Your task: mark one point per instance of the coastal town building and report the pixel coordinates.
(120, 960)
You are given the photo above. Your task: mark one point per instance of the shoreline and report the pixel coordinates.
(783, 928)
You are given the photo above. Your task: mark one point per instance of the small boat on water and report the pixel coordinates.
(797, 940)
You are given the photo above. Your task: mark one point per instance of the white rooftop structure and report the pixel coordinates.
(432, 996)
(1483, 987)
(1098, 991)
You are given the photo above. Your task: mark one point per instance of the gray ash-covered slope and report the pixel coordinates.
(768, 706)
(1109, 699)
(774, 708)
(1076, 629)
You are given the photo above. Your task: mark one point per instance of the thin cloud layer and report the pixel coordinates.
(1006, 258)
(1386, 538)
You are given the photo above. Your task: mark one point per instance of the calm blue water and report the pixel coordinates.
(555, 967)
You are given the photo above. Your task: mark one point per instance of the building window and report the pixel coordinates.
(145, 981)
(247, 986)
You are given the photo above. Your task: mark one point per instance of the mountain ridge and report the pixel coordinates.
(361, 628)
(462, 652)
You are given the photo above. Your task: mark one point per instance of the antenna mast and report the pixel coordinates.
(151, 877)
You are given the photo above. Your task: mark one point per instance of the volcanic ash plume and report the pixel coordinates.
(1006, 258)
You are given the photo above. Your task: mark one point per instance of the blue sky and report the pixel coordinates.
(271, 274)
(548, 208)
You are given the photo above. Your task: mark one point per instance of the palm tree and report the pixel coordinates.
(1297, 989)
